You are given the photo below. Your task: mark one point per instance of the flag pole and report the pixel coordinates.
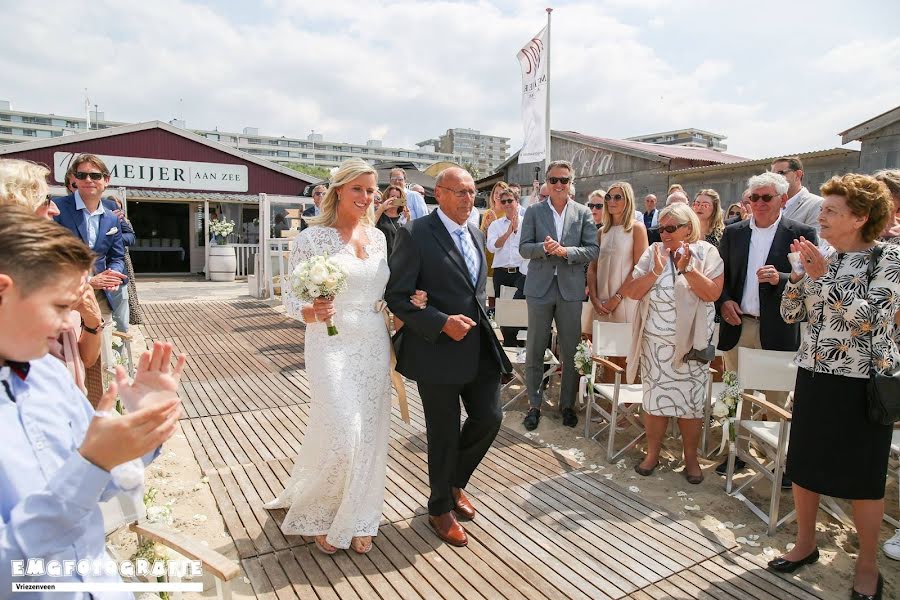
(547, 107)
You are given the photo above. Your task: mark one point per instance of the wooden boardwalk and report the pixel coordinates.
(545, 527)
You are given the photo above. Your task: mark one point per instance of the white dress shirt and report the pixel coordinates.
(452, 226)
(760, 244)
(558, 219)
(506, 256)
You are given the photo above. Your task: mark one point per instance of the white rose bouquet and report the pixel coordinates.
(583, 353)
(221, 229)
(725, 407)
(319, 277)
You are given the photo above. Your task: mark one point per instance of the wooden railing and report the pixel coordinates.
(245, 253)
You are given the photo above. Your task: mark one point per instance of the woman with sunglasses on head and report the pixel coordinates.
(851, 304)
(677, 282)
(735, 213)
(391, 213)
(622, 240)
(708, 207)
(494, 211)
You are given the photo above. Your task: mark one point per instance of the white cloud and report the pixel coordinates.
(407, 70)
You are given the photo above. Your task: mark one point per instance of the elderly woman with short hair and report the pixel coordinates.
(676, 282)
(851, 310)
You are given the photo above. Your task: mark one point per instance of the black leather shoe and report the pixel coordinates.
(879, 589)
(570, 419)
(532, 419)
(781, 565)
(722, 469)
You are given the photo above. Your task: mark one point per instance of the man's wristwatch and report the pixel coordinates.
(92, 330)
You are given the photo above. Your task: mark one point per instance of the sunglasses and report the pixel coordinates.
(672, 228)
(763, 197)
(617, 197)
(562, 180)
(81, 176)
(785, 172)
(507, 201)
(597, 206)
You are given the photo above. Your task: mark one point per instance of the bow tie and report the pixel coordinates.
(19, 368)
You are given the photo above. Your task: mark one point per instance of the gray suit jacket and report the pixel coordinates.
(579, 235)
(805, 209)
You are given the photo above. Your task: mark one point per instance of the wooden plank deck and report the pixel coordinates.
(546, 528)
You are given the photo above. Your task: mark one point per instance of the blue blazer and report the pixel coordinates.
(124, 226)
(109, 248)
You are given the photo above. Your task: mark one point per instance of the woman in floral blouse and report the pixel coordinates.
(834, 449)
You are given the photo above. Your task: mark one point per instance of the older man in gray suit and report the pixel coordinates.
(802, 206)
(559, 238)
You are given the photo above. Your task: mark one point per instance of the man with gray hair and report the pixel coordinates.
(756, 270)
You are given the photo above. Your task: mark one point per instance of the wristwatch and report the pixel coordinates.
(92, 330)
(688, 268)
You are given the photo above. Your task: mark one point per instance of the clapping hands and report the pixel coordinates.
(553, 248)
(153, 377)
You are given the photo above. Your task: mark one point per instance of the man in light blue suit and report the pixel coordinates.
(559, 238)
(84, 215)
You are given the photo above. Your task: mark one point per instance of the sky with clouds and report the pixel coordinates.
(775, 77)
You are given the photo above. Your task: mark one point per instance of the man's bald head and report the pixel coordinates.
(676, 197)
(455, 191)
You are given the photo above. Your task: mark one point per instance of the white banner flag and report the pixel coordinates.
(533, 60)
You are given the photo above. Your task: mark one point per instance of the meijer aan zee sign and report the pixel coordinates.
(129, 171)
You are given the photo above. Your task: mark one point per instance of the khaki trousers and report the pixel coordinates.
(750, 339)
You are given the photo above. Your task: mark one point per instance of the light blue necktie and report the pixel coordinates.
(468, 252)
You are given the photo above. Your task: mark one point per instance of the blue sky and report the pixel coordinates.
(775, 77)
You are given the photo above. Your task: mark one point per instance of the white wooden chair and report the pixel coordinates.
(624, 399)
(127, 510)
(509, 312)
(770, 370)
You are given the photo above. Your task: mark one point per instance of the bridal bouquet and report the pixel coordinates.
(725, 407)
(319, 277)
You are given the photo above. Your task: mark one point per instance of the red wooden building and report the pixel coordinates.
(173, 180)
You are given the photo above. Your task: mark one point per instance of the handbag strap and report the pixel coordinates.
(877, 249)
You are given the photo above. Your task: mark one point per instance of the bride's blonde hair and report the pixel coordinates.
(347, 172)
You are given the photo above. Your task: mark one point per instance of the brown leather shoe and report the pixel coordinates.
(464, 509)
(448, 529)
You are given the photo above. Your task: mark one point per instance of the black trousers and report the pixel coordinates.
(453, 452)
(517, 280)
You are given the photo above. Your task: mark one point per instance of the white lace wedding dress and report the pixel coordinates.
(337, 485)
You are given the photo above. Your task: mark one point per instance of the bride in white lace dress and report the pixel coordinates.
(336, 490)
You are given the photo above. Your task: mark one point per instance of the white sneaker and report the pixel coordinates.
(892, 546)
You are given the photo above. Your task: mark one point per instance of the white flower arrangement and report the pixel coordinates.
(319, 277)
(221, 229)
(583, 353)
(725, 407)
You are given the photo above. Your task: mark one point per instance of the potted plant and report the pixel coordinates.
(222, 261)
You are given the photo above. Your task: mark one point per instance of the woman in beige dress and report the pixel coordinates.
(623, 240)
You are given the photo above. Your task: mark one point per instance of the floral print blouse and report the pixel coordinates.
(841, 309)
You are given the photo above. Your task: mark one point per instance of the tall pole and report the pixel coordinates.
(547, 104)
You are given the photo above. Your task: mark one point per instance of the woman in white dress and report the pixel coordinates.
(336, 490)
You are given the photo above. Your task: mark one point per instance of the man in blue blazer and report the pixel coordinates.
(84, 215)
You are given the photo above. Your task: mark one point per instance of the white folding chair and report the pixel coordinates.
(624, 399)
(127, 509)
(713, 393)
(509, 312)
(769, 370)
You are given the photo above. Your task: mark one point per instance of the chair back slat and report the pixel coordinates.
(509, 312)
(767, 370)
(611, 339)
